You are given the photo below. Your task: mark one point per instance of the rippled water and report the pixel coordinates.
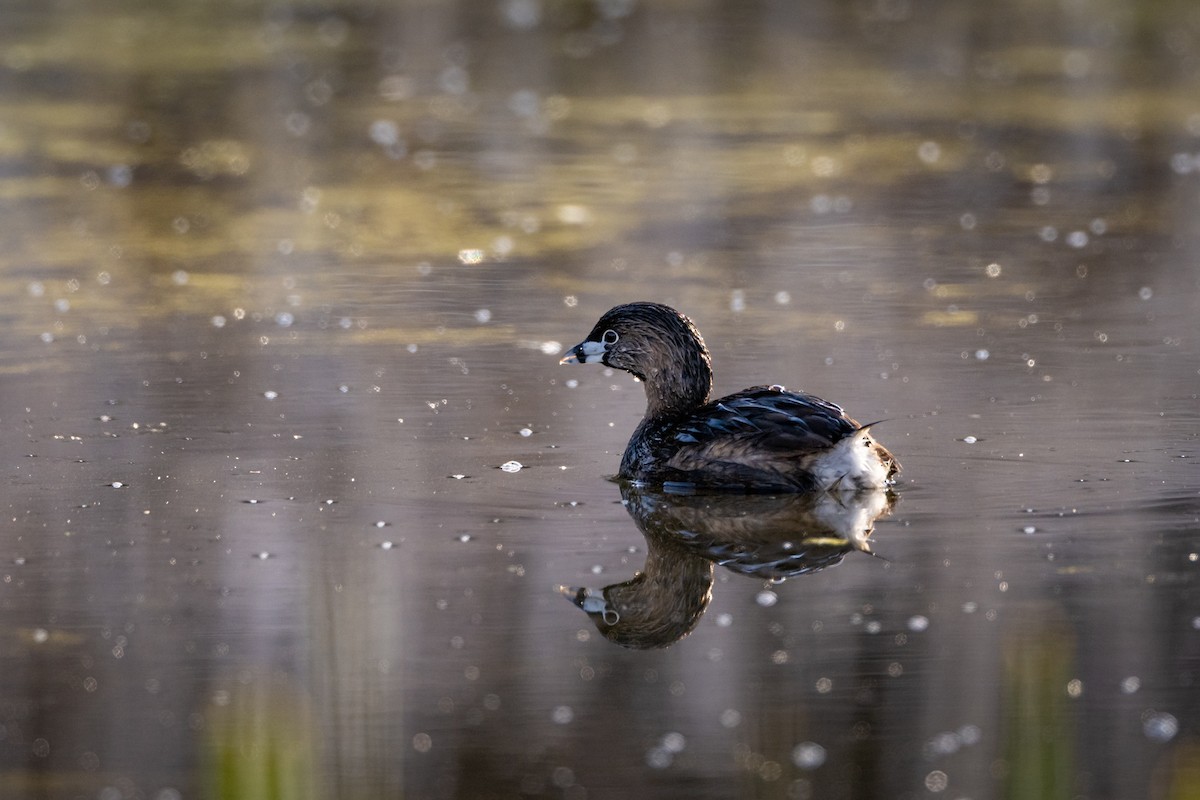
(284, 294)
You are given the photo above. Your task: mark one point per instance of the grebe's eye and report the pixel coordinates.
(610, 337)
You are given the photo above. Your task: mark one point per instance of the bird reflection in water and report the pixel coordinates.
(761, 536)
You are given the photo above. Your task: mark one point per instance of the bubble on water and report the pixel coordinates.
(463, 537)
(386, 545)
(824, 685)
(458, 476)
(562, 714)
(1131, 684)
(1075, 688)
(252, 501)
(382, 523)
(808, 755)
(993, 270)
(270, 394)
(1029, 529)
(526, 432)
(969, 440)
(19, 561)
(918, 623)
(571, 383)
(512, 466)
(766, 598)
(118, 485)
(263, 555)
(1160, 726)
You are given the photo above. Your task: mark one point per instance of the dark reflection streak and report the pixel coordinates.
(767, 537)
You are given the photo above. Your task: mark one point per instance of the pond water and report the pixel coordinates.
(285, 286)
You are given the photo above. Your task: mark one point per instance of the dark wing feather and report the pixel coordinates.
(757, 436)
(769, 419)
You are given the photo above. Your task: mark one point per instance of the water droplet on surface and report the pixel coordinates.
(263, 556)
(382, 524)
(483, 315)
(463, 537)
(270, 394)
(1029, 529)
(118, 485)
(929, 152)
(969, 440)
(526, 432)
(512, 466)
(808, 755)
(458, 476)
(1160, 726)
(766, 598)
(937, 781)
(386, 545)
(658, 758)
(674, 742)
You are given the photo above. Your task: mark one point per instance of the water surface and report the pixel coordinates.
(284, 287)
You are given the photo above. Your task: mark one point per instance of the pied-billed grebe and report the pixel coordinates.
(762, 439)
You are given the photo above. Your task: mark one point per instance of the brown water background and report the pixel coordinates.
(283, 285)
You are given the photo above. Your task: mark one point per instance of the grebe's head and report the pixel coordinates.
(656, 344)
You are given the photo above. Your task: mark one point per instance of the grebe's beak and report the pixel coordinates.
(591, 601)
(585, 353)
